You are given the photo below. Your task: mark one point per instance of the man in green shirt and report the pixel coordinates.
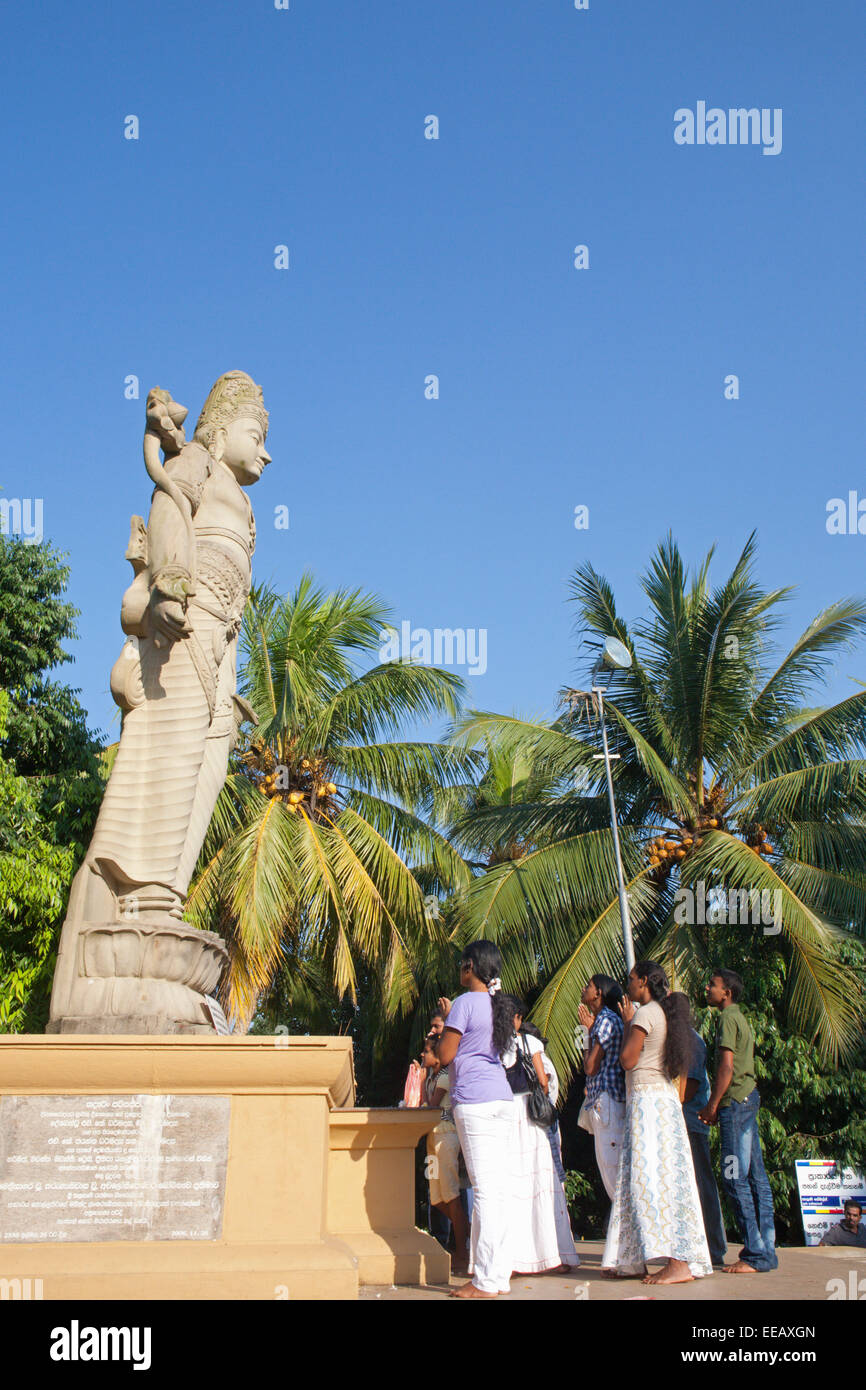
(735, 1036)
(733, 1105)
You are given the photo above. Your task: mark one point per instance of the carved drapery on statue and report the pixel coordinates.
(127, 961)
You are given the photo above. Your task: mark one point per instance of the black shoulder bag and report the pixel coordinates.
(540, 1110)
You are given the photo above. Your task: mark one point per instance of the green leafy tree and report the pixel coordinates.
(46, 730)
(35, 874)
(51, 777)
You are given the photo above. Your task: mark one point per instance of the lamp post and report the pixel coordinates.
(615, 656)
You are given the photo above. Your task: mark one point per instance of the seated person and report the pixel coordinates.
(848, 1231)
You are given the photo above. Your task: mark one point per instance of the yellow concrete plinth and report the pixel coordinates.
(292, 1216)
(371, 1196)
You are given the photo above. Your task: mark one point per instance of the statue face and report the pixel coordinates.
(241, 447)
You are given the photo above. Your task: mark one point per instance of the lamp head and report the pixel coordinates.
(613, 657)
(615, 654)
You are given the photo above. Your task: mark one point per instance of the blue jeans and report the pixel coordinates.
(746, 1183)
(467, 1201)
(553, 1137)
(711, 1208)
(438, 1225)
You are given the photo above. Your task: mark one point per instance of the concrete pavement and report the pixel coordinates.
(806, 1274)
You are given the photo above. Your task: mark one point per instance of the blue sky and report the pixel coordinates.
(408, 257)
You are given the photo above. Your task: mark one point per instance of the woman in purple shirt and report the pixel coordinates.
(478, 1029)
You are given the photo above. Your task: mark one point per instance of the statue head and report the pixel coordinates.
(233, 426)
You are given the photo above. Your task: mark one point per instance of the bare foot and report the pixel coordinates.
(470, 1291)
(739, 1267)
(674, 1272)
(615, 1274)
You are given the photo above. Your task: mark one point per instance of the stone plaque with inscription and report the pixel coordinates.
(94, 1168)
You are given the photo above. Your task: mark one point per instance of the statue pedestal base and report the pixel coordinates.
(371, 1195)
(143, 976)
(203, 1167)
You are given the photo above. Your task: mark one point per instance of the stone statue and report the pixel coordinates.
(127, 961)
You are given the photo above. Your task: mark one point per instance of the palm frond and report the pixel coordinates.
(823, 995)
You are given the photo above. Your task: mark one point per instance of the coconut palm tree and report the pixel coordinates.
(467, 814)
(506, 777)
(726, 782)
(319, 841)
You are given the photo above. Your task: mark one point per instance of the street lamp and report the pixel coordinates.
(615, 656)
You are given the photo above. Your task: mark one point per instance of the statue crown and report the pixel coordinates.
(232, 395)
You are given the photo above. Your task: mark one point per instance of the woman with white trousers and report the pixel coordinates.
(478, 1028)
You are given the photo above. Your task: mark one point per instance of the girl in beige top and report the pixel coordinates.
(649, 1067)
(656, 1212)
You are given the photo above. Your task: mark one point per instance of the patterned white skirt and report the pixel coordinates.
(656, 1212)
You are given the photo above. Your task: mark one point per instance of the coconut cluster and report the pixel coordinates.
(757, 838)
(663, 854)
(306, 786)
(665, 851)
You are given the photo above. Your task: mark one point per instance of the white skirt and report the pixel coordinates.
(536, 1237)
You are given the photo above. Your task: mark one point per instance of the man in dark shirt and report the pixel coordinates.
(696, 1097)
(848, 1231)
